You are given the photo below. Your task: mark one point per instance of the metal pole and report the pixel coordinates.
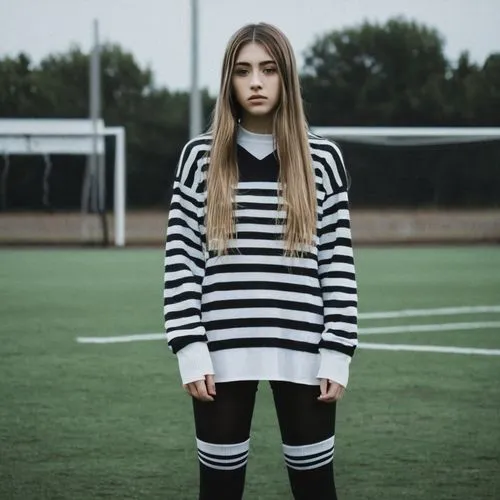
(195, 119)
(98, 187)
(3, 180)
(120, 186)
(94, 114)
(101, 176)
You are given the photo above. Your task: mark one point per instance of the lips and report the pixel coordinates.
(256, 98)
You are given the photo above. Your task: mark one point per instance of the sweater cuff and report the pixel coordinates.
(334, 366)
(194, 362)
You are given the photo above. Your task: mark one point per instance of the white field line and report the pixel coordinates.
(480, 325)
(440, 311)
(362, 345)
(430, 348)
(362, 331)
(123, 338)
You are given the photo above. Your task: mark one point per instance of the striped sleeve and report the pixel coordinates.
(337, 276)
(184, 271)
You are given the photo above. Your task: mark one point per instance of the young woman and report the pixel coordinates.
(259, 272)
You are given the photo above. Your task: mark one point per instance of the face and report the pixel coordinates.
(256, 82)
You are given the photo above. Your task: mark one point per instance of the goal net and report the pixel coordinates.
(417, 184)
(59, 179)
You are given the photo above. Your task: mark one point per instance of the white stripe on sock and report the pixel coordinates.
(310, 456)
(223, 450)
(223, 460)
(223, 456)
(222, 467)
(315, 466)
(309, 449)
(304, 461)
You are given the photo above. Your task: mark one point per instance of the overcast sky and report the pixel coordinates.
(157, 32)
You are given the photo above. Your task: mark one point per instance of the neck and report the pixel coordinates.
(258, 124)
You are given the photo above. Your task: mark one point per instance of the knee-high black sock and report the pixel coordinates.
(222, 470)
(310, 468)
(223, 435)
(307, 430)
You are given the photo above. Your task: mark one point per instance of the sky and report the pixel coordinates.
(157, 32)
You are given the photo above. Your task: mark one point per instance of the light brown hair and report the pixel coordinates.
(296, 175)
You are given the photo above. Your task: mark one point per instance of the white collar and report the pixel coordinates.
(258, 145)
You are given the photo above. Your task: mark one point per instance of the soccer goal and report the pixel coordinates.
(422, 184)
(48, 138)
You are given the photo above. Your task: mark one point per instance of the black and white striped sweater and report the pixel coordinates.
(256, 314)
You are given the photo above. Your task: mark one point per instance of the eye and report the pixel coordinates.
(270, 70)
(240, 72)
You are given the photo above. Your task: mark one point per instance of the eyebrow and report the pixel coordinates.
(263, 63)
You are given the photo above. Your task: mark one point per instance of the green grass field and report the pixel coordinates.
(91, 421)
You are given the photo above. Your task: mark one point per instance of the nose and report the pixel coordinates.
(255, 82)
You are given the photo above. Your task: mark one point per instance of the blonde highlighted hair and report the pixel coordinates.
(296, 175)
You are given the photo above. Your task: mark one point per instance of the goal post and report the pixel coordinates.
(120, 186)
(69, 137)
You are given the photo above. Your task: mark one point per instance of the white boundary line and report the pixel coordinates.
(362, 345)
(480, 325)
(441, 311)
(429, 348)
(122, 338)
(362, 331)
(376, 330)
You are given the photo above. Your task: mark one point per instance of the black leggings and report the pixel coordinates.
(307, 429)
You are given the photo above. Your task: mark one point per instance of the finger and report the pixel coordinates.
(341, 393)
(333, 394)
(191, 388)
(327, 398)
(323, 388)
(337, 392)
(203, 395)
(210, 384)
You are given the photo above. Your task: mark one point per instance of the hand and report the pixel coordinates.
(204, 390)
(330, 391)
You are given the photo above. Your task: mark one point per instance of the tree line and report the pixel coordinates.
(390, 74)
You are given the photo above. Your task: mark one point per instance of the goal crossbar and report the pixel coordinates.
(409, 136)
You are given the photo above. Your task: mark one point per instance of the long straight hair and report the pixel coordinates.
(296, 175)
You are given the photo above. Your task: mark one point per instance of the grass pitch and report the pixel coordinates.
(82, 421)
